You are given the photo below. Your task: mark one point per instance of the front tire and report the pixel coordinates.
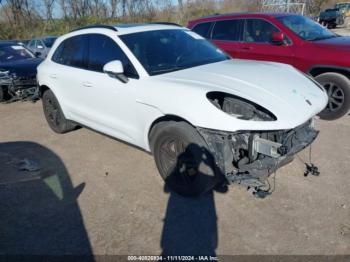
(332, 26)
(183, 159)
(54, 115)
(338, 90)
(3, 94)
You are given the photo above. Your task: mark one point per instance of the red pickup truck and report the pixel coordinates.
(286, 38)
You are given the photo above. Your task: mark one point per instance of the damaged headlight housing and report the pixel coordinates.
(240, 107)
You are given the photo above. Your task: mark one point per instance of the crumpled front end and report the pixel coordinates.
(249, 157)
(18, 87)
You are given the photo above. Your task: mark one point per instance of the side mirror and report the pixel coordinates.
(40, 47)
(278, 38)
(115, 69)
(37, 54)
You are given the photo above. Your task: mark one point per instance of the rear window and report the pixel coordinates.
(71, 52)
(202, 29)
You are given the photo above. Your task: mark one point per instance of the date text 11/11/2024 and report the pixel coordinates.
(172, 258)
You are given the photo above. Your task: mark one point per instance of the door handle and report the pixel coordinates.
(53, 76)
(87, 84)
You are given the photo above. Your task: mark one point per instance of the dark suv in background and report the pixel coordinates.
(17, 72)
(286, 38)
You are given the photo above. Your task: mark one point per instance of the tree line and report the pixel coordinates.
(24, 19)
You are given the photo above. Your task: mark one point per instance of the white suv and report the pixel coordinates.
(205, 116)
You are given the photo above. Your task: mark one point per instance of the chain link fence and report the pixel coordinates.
(285, 6)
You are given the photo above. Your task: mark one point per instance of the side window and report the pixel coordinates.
(202, 29)
(258, 31)
(103, 50)
(71, 52)
(32, 44)
(229, 30)
(56, 57)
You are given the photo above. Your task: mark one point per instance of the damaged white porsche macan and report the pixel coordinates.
(206, 118)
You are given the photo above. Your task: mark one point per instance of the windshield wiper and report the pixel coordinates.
(178, 68)
(163, 71)
(168, 70)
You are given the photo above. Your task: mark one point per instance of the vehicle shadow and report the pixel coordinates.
(190, 224)
(39, 211)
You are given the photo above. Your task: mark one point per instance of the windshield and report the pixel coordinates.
(332, 10)
(343, 6)
(164, 51)
(10, 53)
(306, 28)
(49, 41)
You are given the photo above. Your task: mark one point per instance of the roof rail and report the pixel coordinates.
(166, 23)
(96, 26)
(223, 14)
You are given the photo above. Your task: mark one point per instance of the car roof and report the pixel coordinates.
(135, 28)
(241, 15)
(7, 43)
(42, 38)
(132, 28)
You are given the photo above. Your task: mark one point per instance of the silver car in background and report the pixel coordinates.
(41, 46)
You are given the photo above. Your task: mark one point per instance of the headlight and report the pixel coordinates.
(3, 73)
(240, 107)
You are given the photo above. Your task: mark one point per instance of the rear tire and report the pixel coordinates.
(183, 159)
(54, 115)
(338, 89)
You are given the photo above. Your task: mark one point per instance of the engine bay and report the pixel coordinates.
(249, 158)
(14, 88)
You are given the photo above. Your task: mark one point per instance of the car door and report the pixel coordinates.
(258, 45)
(227, 35)
(105, 103)
(69, 64)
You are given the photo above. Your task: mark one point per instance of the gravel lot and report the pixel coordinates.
(95, 195)
(342, 31)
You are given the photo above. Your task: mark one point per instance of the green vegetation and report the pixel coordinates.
(24, 19)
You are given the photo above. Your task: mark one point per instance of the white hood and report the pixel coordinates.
(285, 92)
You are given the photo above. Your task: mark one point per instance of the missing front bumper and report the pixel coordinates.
(18, 88)
(248, 158)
